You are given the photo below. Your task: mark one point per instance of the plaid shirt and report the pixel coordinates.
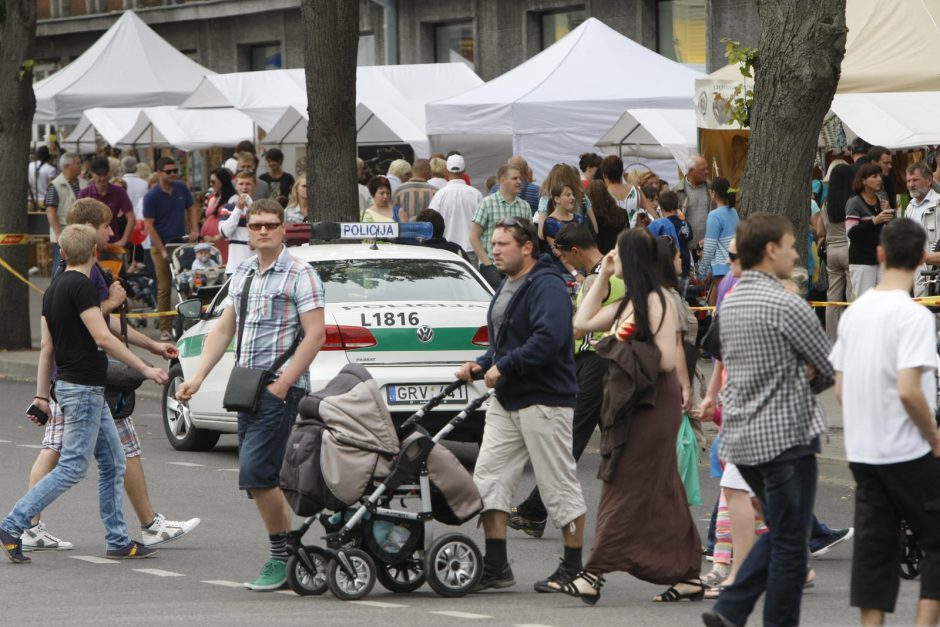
(768, 337)
(494, 209)
(277, 297)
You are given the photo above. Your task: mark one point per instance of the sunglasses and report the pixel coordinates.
(732, 256)
(172, 171)
(513, 223)
(257, 226)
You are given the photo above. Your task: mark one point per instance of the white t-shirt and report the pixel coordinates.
(457, 202)
(882, 333)
(40, 174)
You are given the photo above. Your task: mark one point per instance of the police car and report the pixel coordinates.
(409, 314)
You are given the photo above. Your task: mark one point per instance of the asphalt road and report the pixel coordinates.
(194, 580)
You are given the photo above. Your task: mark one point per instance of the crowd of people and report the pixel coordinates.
(630, 246)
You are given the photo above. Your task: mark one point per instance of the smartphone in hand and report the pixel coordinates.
(37, 413)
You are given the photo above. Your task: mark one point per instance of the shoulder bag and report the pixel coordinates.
(122, 380)
(245, 385)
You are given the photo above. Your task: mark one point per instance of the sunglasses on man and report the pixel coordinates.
(172, 171)
(257, 226)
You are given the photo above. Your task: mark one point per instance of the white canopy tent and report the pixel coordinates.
(130, 65)
(894, 120)
(390, 100)
(662, 138)
(555, 105)
(111, 124)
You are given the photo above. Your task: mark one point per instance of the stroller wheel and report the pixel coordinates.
(350, 586)
(405, 576)
(453, 565)
(299, 577)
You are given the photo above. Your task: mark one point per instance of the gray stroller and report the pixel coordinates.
(346, 468)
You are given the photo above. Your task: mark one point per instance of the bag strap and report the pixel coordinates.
(243, 310)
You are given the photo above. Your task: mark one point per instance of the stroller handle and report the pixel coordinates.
(434, 402)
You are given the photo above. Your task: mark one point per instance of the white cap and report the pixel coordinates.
(455, 163)
(231, 164)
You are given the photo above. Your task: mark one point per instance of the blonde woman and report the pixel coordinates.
(296, 210)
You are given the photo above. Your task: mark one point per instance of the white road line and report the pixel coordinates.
(290, 592)
(379, 604)
(223, 583)
(92, 559)
(453, 614)
(157, 572)
(227, 469)
(29, 445)
(4, 441)
(531, 625)
(187, 464)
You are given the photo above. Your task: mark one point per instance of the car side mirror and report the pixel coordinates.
(190, 309)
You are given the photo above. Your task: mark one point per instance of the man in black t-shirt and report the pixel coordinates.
(279, 182)
(76, 337)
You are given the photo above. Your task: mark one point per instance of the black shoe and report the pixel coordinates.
(495, 577)
(556, 581)
(714, 619)
(827, 543)
(534, 528)
(13, 548)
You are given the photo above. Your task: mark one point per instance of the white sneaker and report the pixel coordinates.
(163, 530)
(38, 539)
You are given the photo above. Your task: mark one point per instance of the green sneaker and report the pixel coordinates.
(273, 577)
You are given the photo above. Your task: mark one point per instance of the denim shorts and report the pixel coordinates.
(262, 439)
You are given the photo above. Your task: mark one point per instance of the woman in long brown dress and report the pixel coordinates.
(644, 526)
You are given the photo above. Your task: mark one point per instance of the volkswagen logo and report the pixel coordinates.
(425, 334)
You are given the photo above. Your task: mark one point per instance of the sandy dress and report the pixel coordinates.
(644, 526)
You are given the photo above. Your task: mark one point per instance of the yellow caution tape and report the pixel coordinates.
(4, 264)
(14, 239)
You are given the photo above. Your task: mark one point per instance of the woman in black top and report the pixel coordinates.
(865, 215)
(611, 219)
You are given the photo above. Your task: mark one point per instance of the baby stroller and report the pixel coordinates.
(203, 284)
(344, 456)
(141, 292)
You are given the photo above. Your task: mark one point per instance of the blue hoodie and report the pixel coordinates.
(534, 350)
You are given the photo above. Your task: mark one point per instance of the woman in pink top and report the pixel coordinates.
(222, 189)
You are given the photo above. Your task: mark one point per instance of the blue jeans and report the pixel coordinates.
(777, 564)
(56, 258)
(89, 429)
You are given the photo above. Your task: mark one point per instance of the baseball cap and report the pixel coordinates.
(455, 163)
(203, 246)
(100, 165)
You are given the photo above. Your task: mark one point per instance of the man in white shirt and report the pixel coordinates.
(885, 360)
(41, 173)
(923, 210)
(456, 202)
(365, 198)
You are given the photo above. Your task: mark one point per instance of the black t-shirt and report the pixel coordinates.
(280, 186)
(77, 357)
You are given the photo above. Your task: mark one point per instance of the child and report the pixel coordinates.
(204, 260)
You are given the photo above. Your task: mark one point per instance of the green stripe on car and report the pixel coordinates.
(192, 346)
(445, 339)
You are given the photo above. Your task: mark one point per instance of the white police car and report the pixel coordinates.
(409, 314)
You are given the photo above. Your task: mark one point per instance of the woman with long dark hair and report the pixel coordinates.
(220, 182)
(644, 526)
(865, 216)
(611, 219)
(837, 243)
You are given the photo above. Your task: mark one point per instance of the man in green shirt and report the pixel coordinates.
(492, 210)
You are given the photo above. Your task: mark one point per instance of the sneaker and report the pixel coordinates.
(162, 530)
(534, 528)
(166, 336)
(38, 539)
(562, 575)
(495, 577)
(834, 539)
(13, 548)
(133, 551)
(273, 576)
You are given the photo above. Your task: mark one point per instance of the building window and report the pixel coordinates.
(454, 42)
(557, 24)
(366, 52)
(265, 57)
(682, 31)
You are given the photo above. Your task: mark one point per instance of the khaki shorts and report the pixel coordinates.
(540, 434)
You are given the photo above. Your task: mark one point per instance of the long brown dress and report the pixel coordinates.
(644, 526)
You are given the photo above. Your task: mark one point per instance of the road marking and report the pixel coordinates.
(290, 592)
(92, 559)
(224, 583)
(379, 604)
(452, 614)
(4, 441)
(227, 469)
(531, 625)
(187, 464)
(158, 573)
(29, 445)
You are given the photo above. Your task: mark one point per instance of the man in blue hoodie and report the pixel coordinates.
(530, 363)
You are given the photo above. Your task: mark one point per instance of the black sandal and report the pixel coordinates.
(672, 595)
(570, 588)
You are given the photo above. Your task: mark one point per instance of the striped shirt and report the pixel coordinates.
(277, 297)
(492, 210)
(719, 231)
(414, 196)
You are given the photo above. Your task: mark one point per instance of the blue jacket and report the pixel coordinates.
(534, 350)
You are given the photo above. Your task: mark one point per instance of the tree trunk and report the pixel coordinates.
(17, 35)
(800, 50)
(331, 39)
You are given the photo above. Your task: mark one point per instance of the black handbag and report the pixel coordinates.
(711, 341)
(245, 385)
(121, 380)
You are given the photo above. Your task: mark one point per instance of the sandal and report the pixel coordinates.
(672, 595)
(713, 579)
(595, 583)
(714, 592)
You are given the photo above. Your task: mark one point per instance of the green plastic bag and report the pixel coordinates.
(687, 454)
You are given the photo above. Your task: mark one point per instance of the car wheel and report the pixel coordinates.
(177, 421)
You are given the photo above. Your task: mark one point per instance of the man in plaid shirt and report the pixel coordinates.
(493, 209)
(776, 356)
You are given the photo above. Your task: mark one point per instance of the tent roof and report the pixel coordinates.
(112, 124)
(129, 65)
(895, 120)
(653, 134)
(262, 96)
(567, 79)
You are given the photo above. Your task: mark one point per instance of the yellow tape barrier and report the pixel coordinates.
(155, 314)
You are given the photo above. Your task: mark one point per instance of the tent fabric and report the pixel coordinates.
(185, 129)
(390, 100)
(894, 120)
(565, 88)
(129, 65)
(652, 134)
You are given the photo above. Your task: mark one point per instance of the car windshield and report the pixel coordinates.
(378, 280)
